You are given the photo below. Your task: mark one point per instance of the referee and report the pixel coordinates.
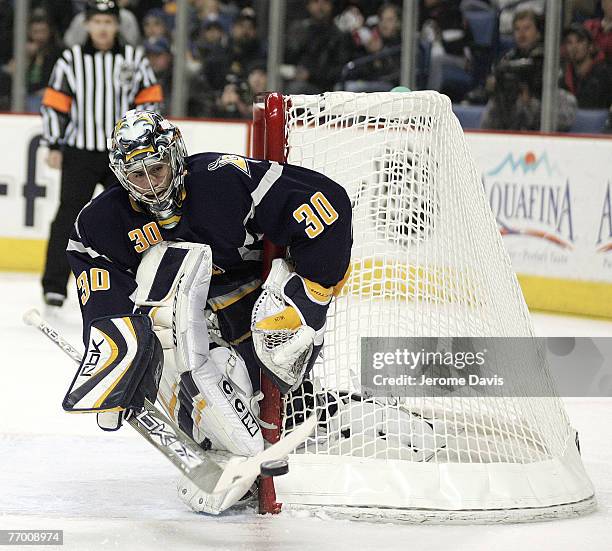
(90, 88)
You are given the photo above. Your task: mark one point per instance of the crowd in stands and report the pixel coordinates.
(479, 52)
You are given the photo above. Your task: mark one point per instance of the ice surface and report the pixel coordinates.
(112, 491)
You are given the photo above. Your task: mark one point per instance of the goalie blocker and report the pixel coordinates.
(121, 367)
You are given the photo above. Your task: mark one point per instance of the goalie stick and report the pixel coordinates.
(187, 456)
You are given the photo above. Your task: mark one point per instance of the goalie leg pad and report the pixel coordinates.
(173, 281)
(204, 497)
(221, 394)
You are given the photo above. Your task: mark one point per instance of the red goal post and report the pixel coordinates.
(268, 142)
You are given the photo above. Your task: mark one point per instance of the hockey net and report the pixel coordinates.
(427, 261)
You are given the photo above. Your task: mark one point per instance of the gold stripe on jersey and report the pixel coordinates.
(223, 301)
(241, 339)
(316, 292)
(338, 286)
(168, 221)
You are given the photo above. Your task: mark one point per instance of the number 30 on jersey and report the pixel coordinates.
(97, 279)
(317, 214)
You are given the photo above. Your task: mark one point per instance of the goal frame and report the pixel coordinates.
(270, 142)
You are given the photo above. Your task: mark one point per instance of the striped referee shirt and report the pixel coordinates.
(89, 90)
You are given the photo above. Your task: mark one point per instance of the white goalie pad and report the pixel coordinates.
(173, 280)
(223, 410)
(284, 351)
(205, 496)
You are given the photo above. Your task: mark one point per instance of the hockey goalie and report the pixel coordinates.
(168, 266)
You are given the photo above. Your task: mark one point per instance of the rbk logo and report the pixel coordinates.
(94, 354)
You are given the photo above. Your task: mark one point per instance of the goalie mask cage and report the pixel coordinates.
(427, 260)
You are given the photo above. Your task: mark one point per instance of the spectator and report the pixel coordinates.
(608, 127)
(509, 8)
(257, 79)
(244, 47)
(388, 30)
(317, 49)
(601, 30)
(154, 25)
(129, 31)
(43, 48)
(212, 10)
(517, 84)
(442, 25)
(160, 58)
(578, 11)
(42, 51)
(58, 12)
(236, 101)
(211, 55)
(352, 22)
(207, 65)
(383, 71)
(587, 78)
(6, 31)
(140, 8)
(6, 52)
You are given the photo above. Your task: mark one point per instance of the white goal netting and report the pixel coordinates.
(427, 261)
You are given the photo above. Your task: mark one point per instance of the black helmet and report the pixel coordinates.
(102, 7)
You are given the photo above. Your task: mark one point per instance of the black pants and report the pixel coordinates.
(81, 171)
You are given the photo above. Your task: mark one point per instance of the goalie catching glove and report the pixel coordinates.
(288, 324)
(121, 367)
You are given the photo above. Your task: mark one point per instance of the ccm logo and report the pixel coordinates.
(245, 416)
(93, 357)
(239, 407)
(227, 388)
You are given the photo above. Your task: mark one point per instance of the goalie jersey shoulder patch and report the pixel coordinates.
(231, 160)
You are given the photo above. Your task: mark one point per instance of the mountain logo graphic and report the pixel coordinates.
(526, 164)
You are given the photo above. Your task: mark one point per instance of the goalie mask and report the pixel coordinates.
(147, 154)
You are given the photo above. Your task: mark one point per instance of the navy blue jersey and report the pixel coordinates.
(230, 203)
